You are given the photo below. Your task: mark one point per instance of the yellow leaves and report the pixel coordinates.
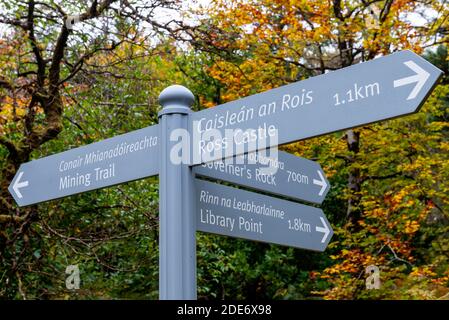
(377, 213)
(285, 29)
(403, 5)
(409, 203)
(401, 213)
(397, 198)
(441, 281)
(251, 76)
(411, 227)
(344, 267)
(12, 108)
(438, 125)
(352, 261)
(422, 272)
(444, 146)
(205, 103)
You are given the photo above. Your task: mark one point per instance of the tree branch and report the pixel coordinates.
(9, 145)
(5, 83)
(337, 10)
(5, 218)
(36, 50)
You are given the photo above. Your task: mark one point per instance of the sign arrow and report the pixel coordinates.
(273, 171)
(19, 184)
(322, 182)
(420, 78)
(364, 93)
(325, 229)
(243, 214)
(120, 159)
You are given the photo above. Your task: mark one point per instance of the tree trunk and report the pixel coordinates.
(354, 212)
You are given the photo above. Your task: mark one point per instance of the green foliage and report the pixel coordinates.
(112, 234)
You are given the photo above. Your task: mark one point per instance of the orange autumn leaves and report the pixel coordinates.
(403, 164)
(271, 39)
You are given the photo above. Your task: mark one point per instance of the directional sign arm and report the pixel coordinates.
(243, 214)
(361, 94)
(419, 78)
(293, 177)
(123, 158)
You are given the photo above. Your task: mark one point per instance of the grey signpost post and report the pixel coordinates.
(385, 88)
(177, 227)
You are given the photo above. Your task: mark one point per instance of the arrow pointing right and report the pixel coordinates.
(420, 78)
(322, 182)
(324, 230)
(19, 185)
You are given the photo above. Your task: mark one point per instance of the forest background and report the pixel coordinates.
(75, 72)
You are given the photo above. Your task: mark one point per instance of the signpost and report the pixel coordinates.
(177, 242)
(379, 89)
(287, 175)
(384, 88)
(116, 160)
(248, 215)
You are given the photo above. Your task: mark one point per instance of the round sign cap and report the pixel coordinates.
(176, 95)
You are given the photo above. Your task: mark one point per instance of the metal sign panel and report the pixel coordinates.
(379, 89)
(279, 173)
(248, 215)
(120, 159)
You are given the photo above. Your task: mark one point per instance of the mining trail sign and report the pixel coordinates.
(102, 164)
(229, 143)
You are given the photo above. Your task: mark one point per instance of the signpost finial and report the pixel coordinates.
(175, 97)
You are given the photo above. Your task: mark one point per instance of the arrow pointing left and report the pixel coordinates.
(19, 185)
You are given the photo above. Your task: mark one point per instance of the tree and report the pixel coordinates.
(389, 198)
(50, 49)
(258, 45)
